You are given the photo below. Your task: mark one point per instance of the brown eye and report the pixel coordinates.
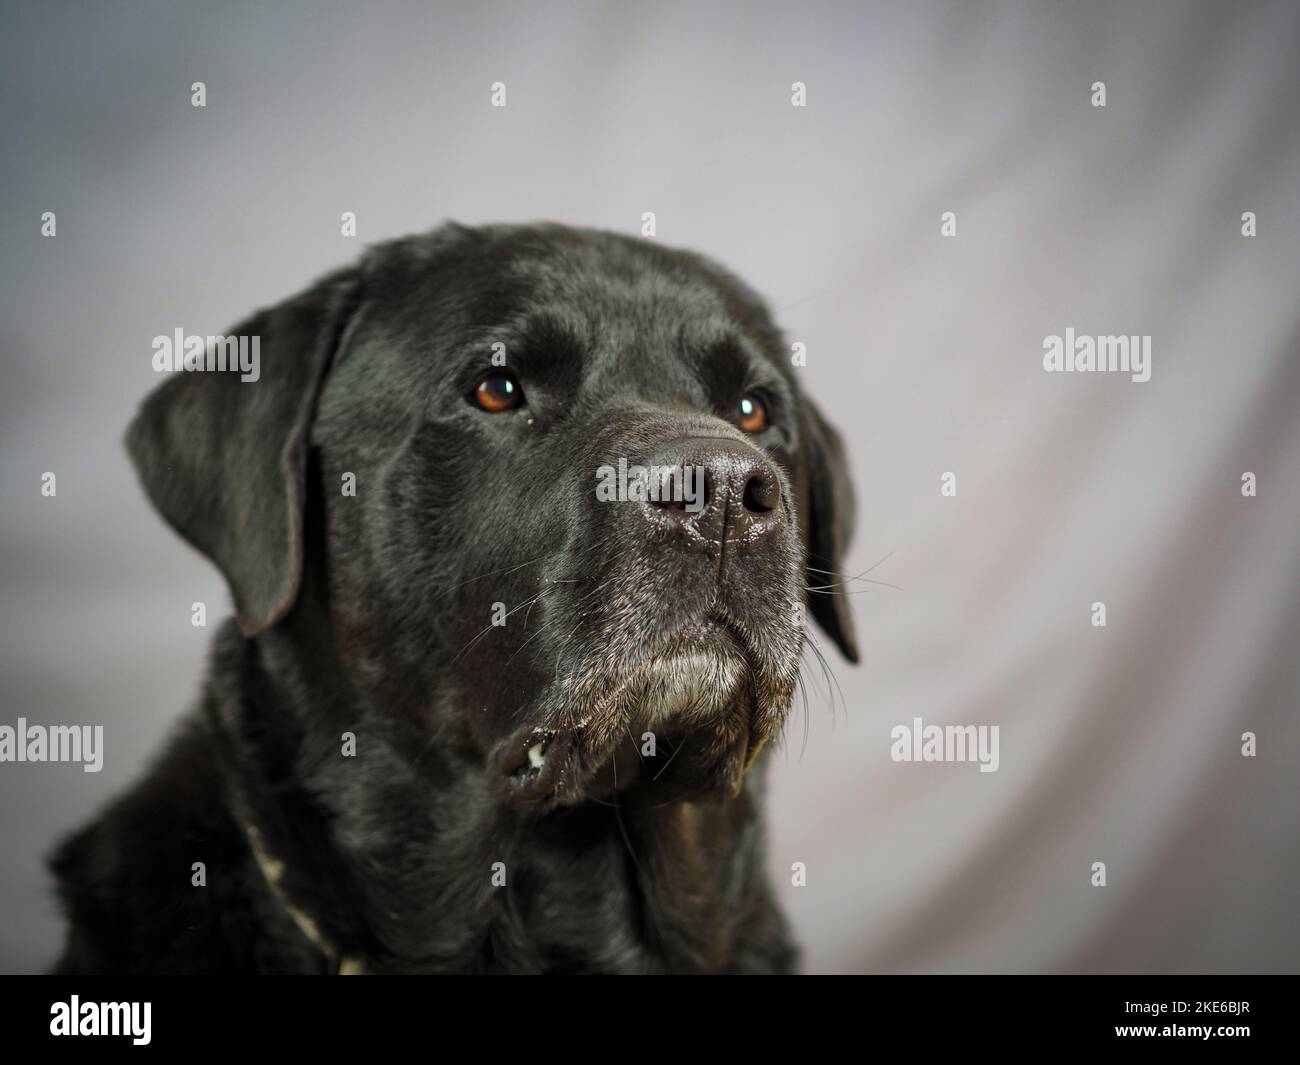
(752, 412)
(498, 392)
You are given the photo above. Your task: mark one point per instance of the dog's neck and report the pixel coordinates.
(429, 870)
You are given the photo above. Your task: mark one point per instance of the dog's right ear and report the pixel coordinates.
(225, 460)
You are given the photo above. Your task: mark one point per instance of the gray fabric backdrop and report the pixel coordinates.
(1119, 744)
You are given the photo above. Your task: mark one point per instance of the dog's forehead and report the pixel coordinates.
(607, 281)
(616, 298)
(616, 310)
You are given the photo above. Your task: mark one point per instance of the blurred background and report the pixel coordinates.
(1119, 744)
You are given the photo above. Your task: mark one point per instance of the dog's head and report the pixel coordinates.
(557, 491)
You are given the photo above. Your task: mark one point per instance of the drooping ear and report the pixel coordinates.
(829, 530)
(225, 460)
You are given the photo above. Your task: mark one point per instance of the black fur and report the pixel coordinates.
(371, 615)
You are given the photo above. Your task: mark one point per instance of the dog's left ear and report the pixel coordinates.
(829, 529)
(225, 460)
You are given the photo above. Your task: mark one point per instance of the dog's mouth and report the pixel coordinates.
(684, 721)
(537, 772)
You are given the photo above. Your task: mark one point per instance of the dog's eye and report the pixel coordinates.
(752, 413)
(497, 392)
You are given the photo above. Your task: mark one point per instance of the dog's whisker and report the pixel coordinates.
(529, 612)
(803, 696)
(524, 644)
(670, 759)
(492, 625)
(492, 573)
(828, 589)
(875, 565)
(854, 577)
(844, 579)
(628, 729)
(618, 816)
(830, 676)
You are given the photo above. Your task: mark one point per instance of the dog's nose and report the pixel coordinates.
(726, 489)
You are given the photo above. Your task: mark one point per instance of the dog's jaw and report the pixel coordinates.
(705, 689)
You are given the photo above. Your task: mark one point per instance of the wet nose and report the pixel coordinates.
(726, 490)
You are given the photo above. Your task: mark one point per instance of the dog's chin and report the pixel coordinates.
(684, 724)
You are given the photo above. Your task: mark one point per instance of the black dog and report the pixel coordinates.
(382, 776)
